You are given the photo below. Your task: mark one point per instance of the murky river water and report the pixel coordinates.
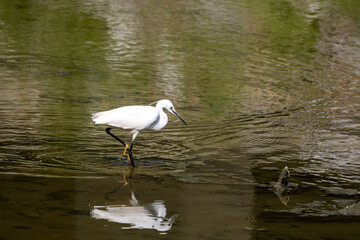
(263, 84)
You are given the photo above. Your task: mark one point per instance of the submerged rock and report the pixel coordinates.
(343, 203)
(350, 210)
(339, 191)
(347, 208)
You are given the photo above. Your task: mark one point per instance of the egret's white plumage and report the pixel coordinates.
(137, 118)
(130, 117)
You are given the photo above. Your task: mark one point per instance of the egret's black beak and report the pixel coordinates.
(179, 117)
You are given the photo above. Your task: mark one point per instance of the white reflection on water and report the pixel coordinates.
(150, 216)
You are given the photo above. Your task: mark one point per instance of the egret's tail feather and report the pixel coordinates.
(97, 118)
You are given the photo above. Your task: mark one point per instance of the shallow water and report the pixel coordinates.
(262, 84)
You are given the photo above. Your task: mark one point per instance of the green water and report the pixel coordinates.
(262, 84)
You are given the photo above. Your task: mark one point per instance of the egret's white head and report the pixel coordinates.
(165, 103)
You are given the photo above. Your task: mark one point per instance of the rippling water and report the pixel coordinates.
(262, 85)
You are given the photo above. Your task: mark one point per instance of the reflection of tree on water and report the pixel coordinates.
(139, 216)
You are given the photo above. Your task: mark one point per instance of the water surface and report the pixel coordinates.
(262, 84)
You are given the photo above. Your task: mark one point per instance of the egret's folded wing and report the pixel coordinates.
(130, 117)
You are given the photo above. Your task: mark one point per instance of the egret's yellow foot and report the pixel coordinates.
(126, 148)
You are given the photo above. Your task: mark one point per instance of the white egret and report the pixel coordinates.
(136, 118)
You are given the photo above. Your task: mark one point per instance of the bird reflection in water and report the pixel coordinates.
(147, 216)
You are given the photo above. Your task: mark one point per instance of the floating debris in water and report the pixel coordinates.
(283, 187)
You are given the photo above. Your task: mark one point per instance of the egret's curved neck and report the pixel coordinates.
(159, 107)
(163, 118)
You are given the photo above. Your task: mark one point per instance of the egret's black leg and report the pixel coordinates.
(123, 143)
(131, 158)
(118, 139)
(130, 154)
